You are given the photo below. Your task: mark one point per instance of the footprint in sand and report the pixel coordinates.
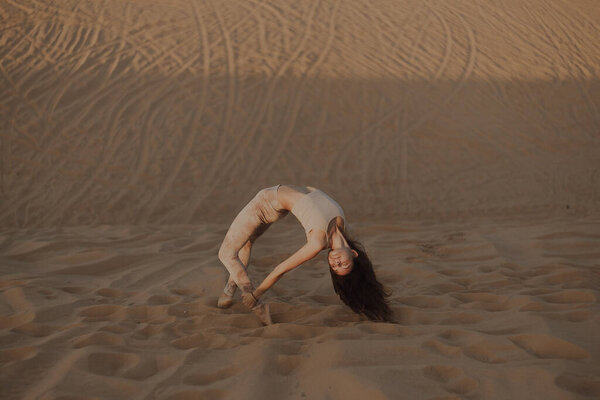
(15, 320)
(111, 364)
(119, 328)
(142, 314)
(191, 292)
(17, 354)
(480, 297)
(150, 366)
(102, 313)
(571, 316)
(19, 307)
(324, 300)
(205, 341)
(163, 300)
(457, 336)
(459, 341)
(430, 248)
(544, 346)
(13, 283)
(98, 338)
(486, 269)
(561, 276)
(533, 306)
(423, 301)
(453, 379)
(450, 397)
(76, 289)
(447, 287)
(395, 330)
(551, 312)
(453, 272)
(462, 318)
(209, 377)
(36, 330)
(110, 293)
(213, 394)
(570, 297)
(286, 357)
(442, 348)
(128, 365)
(150, 330)
(47, 293)
(580, 384)
(456, 236)
(494, 351)
(285, 365)
(484, 301)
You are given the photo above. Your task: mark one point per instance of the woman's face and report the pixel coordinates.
(341, 261)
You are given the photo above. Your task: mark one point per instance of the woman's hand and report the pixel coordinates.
(249, 300)
(305, 253)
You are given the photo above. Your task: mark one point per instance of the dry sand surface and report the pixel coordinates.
(462, 139)
(482, 311)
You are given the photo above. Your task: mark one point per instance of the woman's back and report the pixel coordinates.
(313, 208)
(288, 195)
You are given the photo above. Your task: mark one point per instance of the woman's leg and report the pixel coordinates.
(226, 298)
(251, 222)
(241, 230)
(244, 255)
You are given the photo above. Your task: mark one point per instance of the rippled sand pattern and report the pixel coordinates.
(482, 311)
(178, 111)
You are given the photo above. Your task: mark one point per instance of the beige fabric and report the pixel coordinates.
(251, 222)
(315, 209)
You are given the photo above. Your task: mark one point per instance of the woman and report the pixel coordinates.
(324, 223)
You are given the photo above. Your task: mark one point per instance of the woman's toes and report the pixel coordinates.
(225, 301)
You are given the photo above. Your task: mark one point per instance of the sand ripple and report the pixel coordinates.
(152, 328)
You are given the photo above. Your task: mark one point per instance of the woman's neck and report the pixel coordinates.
(337, 240)
(334, 231)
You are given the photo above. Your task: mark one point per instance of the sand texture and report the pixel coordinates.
(462, 139)
(177, 111)
(482, 311)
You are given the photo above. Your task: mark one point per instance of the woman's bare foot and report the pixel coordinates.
(263, 312)
(225, 301)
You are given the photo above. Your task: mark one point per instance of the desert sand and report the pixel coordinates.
(462, 139)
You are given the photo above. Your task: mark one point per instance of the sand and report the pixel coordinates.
(461, 138)
(491, 310)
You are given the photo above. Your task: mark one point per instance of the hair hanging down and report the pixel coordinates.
(360, 289)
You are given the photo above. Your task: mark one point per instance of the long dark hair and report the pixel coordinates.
(360, 290)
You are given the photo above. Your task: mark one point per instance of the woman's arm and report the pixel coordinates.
(305, 253)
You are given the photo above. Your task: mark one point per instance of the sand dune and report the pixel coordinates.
(175, 112)
(470, 322)
(461, 138)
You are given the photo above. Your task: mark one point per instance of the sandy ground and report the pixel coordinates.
(462, 139)
(490, 310)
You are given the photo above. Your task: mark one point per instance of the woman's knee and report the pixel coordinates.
(226, 253)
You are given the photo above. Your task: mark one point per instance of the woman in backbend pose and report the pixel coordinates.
(324, 223)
